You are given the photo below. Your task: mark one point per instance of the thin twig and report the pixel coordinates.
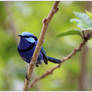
(57, 66)
(12, 25)
(46, 21)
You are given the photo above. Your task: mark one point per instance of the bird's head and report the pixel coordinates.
(28, 37)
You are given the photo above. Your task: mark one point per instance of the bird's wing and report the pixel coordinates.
(44, 56)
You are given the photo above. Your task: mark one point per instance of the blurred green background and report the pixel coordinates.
(18, 17)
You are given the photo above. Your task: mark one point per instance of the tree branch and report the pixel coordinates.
(57, 66)
(46, 21)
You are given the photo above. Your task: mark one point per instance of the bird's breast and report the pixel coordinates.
(27, 53)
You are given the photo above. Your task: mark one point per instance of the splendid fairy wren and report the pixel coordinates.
(27, 46)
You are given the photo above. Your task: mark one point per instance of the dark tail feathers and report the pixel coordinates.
(54, 60)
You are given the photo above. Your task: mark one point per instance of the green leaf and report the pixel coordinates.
(83, 21)
(68, 33)
(80, 24)
(89, 14)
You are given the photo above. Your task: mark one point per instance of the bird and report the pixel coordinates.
(26, 48)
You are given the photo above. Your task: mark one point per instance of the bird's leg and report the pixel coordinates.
(26, 77)
(37, 65)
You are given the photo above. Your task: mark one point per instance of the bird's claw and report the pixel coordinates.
(26, 77)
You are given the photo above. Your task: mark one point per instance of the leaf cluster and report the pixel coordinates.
(84, 24)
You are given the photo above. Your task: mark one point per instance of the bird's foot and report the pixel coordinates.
(26, 77)
(37, 65)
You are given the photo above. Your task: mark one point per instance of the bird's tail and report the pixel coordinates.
(54, 60)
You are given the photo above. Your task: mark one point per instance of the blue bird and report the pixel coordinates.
(27, 46)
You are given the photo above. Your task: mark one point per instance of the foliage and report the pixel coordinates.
(83, 22)
(70, 32)
(89, 14)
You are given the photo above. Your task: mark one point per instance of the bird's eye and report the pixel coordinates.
(27, 37)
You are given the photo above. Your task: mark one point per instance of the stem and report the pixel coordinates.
(46, 21)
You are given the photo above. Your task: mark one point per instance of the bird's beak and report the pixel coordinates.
(19, 35)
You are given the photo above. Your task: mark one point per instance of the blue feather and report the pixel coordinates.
(32, 40)
(27, 34)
